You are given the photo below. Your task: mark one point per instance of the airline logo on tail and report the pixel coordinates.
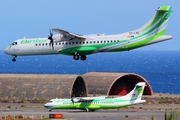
(138, 91)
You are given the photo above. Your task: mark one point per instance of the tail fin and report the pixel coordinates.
(158, 24)
(136, 93)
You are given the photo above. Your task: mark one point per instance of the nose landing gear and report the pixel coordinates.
(14, 58)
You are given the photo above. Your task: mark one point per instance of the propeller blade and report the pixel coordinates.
(50, 37)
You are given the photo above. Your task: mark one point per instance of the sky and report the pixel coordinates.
(33, 18)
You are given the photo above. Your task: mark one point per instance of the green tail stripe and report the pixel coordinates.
(159, 15)
(151, 30)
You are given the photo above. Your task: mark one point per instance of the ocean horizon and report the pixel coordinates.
(160, 68)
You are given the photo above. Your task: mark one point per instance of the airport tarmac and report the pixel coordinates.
(97, 115)
(137, 112)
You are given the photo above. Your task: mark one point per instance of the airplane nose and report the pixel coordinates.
(5, 51)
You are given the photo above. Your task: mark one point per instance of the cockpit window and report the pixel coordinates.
(14, 43)
(50, 101)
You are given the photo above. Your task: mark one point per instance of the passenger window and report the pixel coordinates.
(39, 44)
(36, 44)
(76, 42)
(87, 42)
(83, 42)
(59, 43)
(43, 44)
(46, 44)
(69, 43)
(94, 41)
(79, 42)
(90, 42)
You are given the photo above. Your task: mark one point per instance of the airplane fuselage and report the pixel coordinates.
(93, 44)
(107, 103)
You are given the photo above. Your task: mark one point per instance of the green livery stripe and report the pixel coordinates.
(151, 30)
(141, 43)
(145, 41)
(169, 12)
(148, 32)
(159, 15)
(89, 49)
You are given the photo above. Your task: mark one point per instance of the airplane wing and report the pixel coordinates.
(68, 34)
(91, 98)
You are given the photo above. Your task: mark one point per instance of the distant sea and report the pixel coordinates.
(160, 68)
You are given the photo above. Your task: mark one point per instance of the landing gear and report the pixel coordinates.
(92, 110)
(76, 57)
(82, 57)
(89, 110)
(14, 58)
(50, 110)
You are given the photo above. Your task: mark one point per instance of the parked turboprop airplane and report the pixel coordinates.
(79, 46)
(95, 103)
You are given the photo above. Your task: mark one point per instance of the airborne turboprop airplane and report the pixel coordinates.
(79, 46)
(95, 103)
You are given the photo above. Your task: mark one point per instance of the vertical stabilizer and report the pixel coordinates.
(158, 24)
(136, 93)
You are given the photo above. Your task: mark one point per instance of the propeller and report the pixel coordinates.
(72, 100)
(51, 43)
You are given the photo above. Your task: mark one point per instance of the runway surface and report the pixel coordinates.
(97, 115)
(37, 111)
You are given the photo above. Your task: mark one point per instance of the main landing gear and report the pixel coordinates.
(89, 110)
(14, 58)
(82, 57)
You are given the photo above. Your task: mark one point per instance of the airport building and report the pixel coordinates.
(48, 86)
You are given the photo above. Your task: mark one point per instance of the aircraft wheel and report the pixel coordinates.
(76, 57)
(14, 59)
(83, 57)
(92, 110)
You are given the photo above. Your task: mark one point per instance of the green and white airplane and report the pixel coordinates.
(79, 46)
(101, 102)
